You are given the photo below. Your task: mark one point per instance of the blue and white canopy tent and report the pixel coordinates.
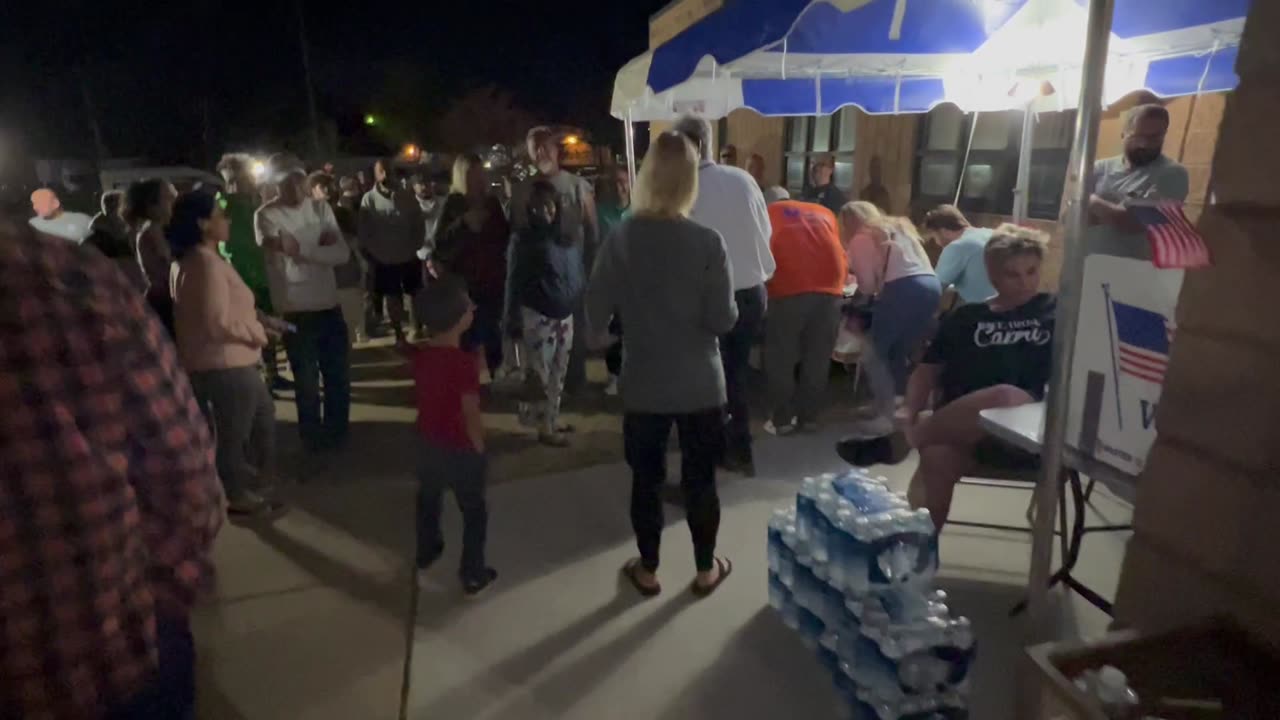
(813, 57)
(805, 57)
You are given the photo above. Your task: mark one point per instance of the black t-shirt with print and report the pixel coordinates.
(979, 348)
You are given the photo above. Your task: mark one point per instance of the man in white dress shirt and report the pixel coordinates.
(730, 202)
(303, 244)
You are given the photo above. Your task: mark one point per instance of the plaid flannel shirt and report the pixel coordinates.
(109, 499)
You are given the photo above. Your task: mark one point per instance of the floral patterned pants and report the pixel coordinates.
(547, 343)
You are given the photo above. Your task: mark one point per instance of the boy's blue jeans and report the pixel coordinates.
(463, 472)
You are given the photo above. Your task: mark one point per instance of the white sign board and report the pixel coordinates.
(1122, 352)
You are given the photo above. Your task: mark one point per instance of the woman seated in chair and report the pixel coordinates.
(986, 355)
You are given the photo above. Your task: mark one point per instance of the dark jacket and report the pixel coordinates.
(544, 274)
(828, 196)
(479, 258)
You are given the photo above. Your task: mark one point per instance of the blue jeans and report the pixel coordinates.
(735, 355)
(172, 692)
(903, 317)
(318, 351)
(463, 472)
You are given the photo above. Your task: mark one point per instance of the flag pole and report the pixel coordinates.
(1115, 363)
(1094, 70)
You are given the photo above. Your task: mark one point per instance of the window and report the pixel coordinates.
(824, 134)
(992, 171)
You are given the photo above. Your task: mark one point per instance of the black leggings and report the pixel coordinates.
(701, 437)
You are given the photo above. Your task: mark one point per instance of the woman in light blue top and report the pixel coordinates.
(961, 264)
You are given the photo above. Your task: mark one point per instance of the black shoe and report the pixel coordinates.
(743, 466)
(474, 587)
(887, 450)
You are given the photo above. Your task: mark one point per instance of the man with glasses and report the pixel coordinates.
(822, 189)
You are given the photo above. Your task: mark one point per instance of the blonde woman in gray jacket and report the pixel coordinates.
(669, 277)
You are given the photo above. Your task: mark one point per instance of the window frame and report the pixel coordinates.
(1004, 160)
(838, 118)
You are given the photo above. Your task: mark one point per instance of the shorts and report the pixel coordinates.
(993, 453)
(397, 279)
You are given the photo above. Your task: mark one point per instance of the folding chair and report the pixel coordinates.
(1070, 533)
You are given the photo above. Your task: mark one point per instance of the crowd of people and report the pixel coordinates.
(136, 367)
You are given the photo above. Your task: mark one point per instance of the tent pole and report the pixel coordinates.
(964, 163)
(630, 140)
(1022, 188)
(1068, 318)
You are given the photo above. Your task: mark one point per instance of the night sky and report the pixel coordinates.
(181, 80)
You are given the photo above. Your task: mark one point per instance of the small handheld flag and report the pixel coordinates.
(1175, 243)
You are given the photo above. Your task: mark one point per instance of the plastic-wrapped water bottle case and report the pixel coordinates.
(851, 568)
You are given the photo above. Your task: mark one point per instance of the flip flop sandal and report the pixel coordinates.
(629, 572)
(726, 569)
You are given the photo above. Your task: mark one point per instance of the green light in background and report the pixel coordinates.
(370, 120)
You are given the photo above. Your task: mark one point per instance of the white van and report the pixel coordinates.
(183, 178)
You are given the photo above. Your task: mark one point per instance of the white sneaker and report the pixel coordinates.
(875, 427)
(611, 387)
(780, 430)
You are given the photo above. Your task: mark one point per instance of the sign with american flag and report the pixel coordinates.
(1142, 341)
(1175, 242)
(1123, 345)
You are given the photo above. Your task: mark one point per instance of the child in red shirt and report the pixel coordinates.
(447, 390)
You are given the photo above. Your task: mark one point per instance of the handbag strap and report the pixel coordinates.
(884, 272)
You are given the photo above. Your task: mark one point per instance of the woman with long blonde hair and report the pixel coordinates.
(471, 243)
(891, 265)
(669, 277)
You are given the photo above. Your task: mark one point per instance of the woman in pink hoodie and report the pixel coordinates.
(220, 336)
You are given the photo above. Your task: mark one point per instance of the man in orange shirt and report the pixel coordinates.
(804, 311)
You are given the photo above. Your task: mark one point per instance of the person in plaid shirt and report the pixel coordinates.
(110, 501)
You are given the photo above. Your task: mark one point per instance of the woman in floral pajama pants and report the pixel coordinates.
(545, 279)
(547, 342)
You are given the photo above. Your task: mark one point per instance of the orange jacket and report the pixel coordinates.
(806, 246)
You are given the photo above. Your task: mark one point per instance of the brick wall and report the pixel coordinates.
(1204, 540)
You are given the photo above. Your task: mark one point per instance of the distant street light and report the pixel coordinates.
(370, 120)
(410, 151)
(258, 169)
(571, 140)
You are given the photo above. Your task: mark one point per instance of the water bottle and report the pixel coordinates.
(810, 628)
(825, 506)
(806, 498)
(774, 547)
(777, 592)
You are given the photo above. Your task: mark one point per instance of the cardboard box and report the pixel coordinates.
(1220, 519)
(1238, 294)
(1203, 671)
(1219, 397)
(1160, 587)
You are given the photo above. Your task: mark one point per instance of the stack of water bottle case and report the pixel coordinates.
(851, 567)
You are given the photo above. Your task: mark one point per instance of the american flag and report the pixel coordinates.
(1175, 243)
(1143, 342)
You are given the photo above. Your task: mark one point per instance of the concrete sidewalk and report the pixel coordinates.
(308, 618)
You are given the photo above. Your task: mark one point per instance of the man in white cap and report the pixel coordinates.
(303, 244)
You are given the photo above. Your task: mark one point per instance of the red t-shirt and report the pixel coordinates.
(441, 377)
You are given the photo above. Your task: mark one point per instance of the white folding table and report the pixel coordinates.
(1023, 428)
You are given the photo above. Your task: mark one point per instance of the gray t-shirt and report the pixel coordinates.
(669, 281)
(1114, 181)
(391, 227)
(574, 193)
(1162, 179)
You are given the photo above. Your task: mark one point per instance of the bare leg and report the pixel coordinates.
(957, 422)
(941, 467)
